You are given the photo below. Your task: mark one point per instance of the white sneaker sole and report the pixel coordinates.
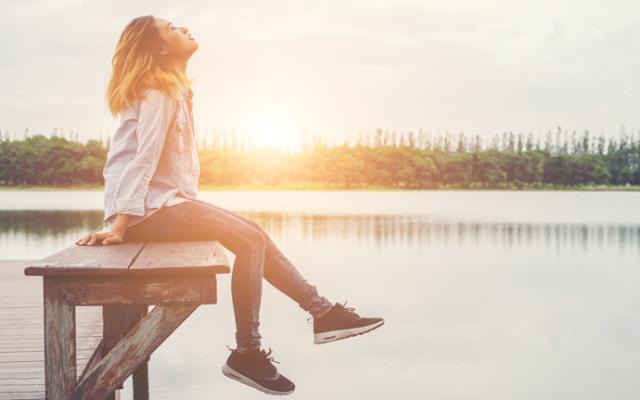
(235, 375)
(332, 336)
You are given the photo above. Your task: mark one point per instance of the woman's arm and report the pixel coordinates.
(155, 116)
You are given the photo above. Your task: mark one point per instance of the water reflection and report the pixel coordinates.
(39, 223)
(379, 231)
(474, 308)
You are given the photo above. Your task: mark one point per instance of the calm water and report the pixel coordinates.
(500, 295)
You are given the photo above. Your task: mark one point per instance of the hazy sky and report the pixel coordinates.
(339, 67)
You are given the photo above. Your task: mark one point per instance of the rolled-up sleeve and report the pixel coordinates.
(156, 113)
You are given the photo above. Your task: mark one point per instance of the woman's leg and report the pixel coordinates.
(196, 221)
(281, 273)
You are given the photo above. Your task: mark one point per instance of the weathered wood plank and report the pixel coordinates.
(133, 349)
(194, 256)
(96, 355)
(175, 290)
(78, 259)
(143, 258)
(34, 357)
(59, 344)
(25, 395)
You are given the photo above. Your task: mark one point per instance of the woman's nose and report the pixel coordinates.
(184, 29)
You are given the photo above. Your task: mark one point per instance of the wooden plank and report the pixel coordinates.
(59, 344)
(77, 259)
(133, 349)
(22, 395)
(96, 356)
(196, 256)
(174, 290)
(135, 258)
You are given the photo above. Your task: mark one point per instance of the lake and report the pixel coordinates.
(485, 294)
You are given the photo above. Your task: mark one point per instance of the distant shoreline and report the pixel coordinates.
(582, 188)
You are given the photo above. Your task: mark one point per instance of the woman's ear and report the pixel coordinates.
(162, 51)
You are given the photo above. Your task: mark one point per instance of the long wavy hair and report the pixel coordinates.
(137, 65)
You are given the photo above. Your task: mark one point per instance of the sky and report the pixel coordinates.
(276, 70)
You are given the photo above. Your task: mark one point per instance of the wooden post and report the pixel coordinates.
(141, 374)
(141, 382)
(117, 322)
(59, 343)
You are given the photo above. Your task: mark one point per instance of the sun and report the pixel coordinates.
(269, 132)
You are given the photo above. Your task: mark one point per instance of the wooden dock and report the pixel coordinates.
(22, 333)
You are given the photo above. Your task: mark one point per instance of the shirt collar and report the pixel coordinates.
(188, 95)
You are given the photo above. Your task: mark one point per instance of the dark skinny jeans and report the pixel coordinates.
(255, 256)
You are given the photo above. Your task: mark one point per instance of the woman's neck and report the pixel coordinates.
(180, 64)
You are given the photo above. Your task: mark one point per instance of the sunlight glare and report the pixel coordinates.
(269, 132)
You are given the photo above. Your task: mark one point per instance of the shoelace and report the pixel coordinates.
(350, 310)
(267, 355)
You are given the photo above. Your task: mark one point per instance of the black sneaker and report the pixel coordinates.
(342, 322)
(254, 369)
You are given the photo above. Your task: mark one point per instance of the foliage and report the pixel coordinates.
(411, 161)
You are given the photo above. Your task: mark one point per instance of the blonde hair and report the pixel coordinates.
(138, 66)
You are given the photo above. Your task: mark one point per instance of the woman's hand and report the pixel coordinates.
(109, 237)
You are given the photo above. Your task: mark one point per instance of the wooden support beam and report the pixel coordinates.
(118, 320)
(133, 349)
(59, 343)
(168, 290)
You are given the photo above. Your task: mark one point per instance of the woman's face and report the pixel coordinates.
(178, 41)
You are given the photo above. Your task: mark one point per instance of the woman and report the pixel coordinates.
(151, 183)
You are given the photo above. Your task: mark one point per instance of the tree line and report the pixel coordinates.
(382, 159)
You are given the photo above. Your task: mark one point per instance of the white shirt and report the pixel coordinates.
(153, 159)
